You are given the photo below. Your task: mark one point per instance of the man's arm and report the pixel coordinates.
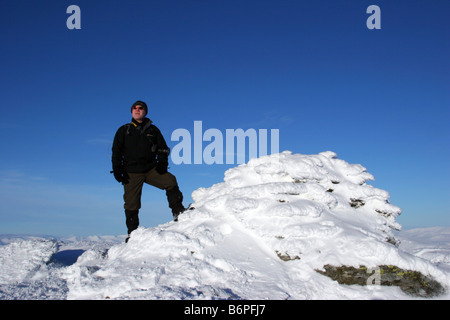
(117, 149)
(117, 157)
(162, 152)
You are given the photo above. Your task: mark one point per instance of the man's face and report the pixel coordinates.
(138, 113)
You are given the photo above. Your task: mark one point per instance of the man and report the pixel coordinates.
(140, 154)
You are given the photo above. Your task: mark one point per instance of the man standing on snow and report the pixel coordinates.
(140, 154)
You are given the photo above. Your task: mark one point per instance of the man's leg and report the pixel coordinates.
(168, 182)
(132, 200)
(131, 220)
(175, 199)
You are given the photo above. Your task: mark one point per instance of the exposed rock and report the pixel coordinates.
(286, 257)
(356, 203)
(411, 282)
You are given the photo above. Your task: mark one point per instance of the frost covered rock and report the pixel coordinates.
(25, 272)
(21, 259)
(260, 234)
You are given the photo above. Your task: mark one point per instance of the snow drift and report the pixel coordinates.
(264, 233)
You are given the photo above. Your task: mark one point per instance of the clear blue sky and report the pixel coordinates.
(311, 69)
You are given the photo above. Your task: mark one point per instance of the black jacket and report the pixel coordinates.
(138, 147)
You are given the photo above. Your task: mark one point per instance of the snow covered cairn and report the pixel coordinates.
(271, 230)
(304, 202)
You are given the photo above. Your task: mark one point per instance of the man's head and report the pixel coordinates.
(139, 110)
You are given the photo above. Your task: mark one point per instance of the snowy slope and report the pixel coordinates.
(432, 244)
(260, 234)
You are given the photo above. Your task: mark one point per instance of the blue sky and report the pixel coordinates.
(311, 69)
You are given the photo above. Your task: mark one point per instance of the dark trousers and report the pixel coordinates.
(133, 191)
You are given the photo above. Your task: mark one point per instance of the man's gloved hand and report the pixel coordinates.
(161, 167)
(120, 175)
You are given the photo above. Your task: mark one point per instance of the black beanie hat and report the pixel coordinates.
(140, 103)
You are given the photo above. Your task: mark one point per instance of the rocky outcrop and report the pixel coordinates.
(411, 282)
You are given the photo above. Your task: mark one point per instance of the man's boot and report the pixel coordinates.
(175, 199)
(132, 221)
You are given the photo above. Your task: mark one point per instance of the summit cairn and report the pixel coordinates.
(282, 226)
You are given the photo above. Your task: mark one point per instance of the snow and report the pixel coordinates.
(312, 210)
